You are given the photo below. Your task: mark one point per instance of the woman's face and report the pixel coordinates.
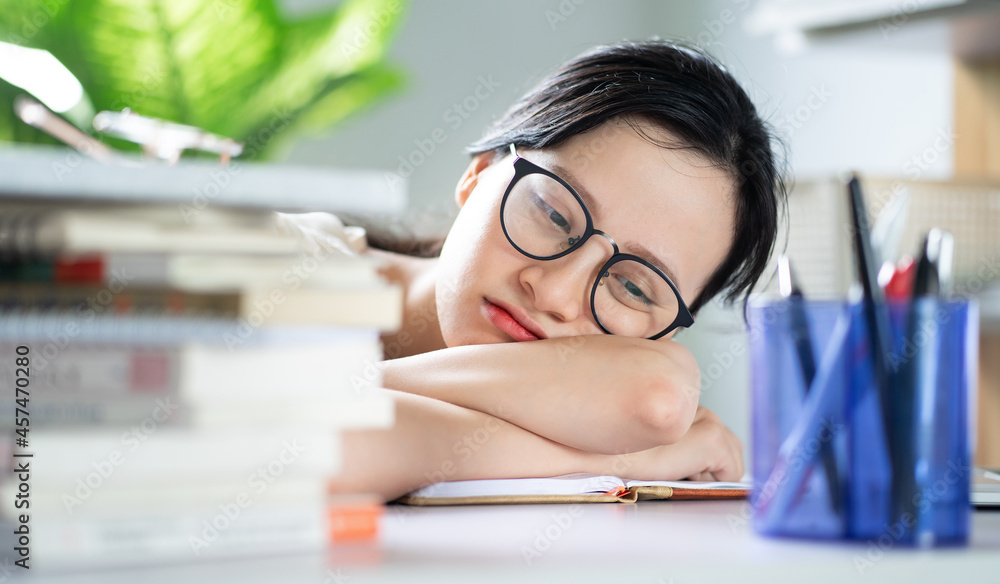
(670, 204)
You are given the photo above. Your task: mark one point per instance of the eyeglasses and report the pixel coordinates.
(544, 218)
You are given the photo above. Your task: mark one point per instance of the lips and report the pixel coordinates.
(516, 328)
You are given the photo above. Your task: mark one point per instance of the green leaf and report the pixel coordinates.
(229, 66)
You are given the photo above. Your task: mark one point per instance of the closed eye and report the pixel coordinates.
(633, 290)
(554, 216)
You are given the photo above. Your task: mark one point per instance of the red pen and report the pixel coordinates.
(900, 286)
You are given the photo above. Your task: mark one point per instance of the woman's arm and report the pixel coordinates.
(435, 441)
(598, 393)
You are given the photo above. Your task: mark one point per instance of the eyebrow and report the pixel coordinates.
(636, 249)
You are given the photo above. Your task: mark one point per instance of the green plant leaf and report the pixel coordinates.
(229, 66)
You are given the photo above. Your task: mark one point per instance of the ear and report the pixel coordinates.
(470, 178)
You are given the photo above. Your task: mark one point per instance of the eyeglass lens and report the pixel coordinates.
(543, 219)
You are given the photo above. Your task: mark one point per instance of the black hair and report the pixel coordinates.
(687, 93)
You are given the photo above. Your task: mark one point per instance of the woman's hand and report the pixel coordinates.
(708, 452)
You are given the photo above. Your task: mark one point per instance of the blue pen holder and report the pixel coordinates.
(845, 457)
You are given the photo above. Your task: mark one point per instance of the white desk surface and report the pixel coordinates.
(653, 542)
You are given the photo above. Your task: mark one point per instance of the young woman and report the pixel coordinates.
(598, 215)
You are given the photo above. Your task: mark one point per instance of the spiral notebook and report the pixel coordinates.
(570, 488)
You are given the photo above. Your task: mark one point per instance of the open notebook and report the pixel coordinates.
(570, 488)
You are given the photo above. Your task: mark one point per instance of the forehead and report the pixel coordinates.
(671, 201)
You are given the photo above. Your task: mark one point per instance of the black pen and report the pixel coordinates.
(789, 289)
(876, 316)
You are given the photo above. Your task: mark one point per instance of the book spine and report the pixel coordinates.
(77, 270)
(93, 374)
(112, 500)
(334, 414)
(29, 296)
(377, 306)
(196, 272)
(54, 331)
(149, 454)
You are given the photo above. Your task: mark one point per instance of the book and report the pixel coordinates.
(343, 413)
(280, 367)
(373, 304)
(61, 329)
(148, 455)
(191, 271)
(570, 488)
(49, 230)
(229, 530)
(110, 499)
(44, 173)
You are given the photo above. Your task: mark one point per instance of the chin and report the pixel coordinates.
(469, 337)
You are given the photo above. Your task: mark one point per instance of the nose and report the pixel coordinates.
(561, 287)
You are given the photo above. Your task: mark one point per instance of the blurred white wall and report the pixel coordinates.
(870, 101)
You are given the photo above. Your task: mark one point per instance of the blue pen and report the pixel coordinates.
(918, 389)
(789, 289)
(822, 402)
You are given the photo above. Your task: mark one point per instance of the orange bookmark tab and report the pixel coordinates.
(617, 491)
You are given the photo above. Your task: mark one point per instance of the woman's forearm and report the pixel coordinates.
(434, 441)
(601, 394)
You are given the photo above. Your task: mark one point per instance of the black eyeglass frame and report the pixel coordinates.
(523, 168)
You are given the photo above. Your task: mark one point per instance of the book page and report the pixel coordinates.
(570, 484)
(689, 485)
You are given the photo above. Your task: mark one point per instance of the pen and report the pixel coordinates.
(877, 319)
(918, 388)
(789, 289)
(822, 403)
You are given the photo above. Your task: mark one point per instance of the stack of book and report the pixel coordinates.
(182, 368)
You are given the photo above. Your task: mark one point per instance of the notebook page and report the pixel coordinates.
(570, 484)
(688, 485)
